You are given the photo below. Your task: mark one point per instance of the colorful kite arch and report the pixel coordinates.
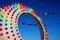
(9, 15)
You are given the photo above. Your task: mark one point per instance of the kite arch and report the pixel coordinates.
(12, 13)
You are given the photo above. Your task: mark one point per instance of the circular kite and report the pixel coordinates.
(9, 15)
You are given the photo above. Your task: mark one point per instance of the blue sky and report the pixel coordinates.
(41, 6)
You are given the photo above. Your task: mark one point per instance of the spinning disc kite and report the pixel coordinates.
(9, 15)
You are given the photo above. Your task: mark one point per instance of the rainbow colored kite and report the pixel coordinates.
(9, 15)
